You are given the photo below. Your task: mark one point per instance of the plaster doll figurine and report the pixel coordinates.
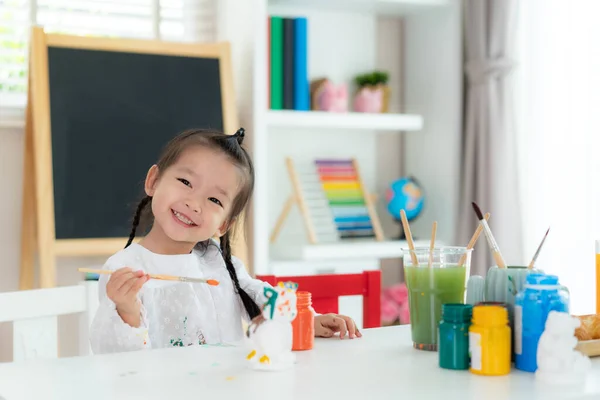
(270, 334)
(558, 361)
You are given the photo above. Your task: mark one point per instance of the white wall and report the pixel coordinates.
(433, 79)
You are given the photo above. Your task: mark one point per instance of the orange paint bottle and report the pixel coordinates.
(304, 324)
(597, 276)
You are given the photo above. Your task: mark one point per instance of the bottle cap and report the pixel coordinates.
(490, 315)
(457, 312)
(303, 298)
(542, 279)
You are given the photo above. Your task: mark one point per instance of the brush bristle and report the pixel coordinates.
(212, 282)
(477, 211)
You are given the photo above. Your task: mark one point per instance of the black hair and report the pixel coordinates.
(231, 145)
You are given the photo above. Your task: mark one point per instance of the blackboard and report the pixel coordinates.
(111, 113)
(99, 112)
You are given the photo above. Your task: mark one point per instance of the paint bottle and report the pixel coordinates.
(489, 341)
(304, 324)
(541, 295)
(453, 340)
(510, 320)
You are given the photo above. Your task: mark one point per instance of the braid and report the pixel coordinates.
(136, 218)
(250, 305)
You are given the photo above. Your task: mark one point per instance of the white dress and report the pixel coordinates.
(175, 313)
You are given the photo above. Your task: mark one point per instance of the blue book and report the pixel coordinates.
(301, 86)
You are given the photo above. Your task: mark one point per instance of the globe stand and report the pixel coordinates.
(402, 235)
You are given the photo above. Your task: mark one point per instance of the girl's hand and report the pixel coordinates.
(327, 325)
(122, 288)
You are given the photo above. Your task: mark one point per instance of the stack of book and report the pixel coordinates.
(288, 64)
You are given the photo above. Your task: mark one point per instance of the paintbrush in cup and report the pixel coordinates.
(432, 243)
(490, 238)
(211, 282)
(473, 240)
(409, 239)
(537, 252)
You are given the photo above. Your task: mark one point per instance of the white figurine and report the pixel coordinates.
(270, 334)
(558, 361)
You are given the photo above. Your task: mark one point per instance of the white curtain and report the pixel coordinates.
(490, 168)
(558, 122)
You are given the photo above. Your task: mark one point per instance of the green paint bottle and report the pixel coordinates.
(453, 340)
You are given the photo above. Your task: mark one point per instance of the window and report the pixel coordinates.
(558, 94)
(170, 20)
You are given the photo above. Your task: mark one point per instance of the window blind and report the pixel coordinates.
(170, 20)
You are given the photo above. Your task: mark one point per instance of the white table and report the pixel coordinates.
(381, 365)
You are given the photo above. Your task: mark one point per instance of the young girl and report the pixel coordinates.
(196, 191)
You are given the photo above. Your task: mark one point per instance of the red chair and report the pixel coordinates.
(325, 290)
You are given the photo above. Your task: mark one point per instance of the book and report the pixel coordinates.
(288, 63)
(276, 66)
(301, 85)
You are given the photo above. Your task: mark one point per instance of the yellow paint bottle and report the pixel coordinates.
(489, 341)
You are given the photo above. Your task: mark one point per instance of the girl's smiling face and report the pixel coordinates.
(192, 198)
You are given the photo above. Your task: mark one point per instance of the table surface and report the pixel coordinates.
(380, 365)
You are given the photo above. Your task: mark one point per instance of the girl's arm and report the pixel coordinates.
(108, 332)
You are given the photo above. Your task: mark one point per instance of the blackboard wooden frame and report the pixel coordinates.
(38, 236)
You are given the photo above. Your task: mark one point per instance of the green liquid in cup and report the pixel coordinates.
(428, 289)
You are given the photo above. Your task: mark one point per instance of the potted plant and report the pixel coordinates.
(373, 92)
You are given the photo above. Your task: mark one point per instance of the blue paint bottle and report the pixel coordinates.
(541, 295)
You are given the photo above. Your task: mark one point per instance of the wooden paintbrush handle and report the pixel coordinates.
(164, 277)
(473, 240)
(411, 245)
(499, 260)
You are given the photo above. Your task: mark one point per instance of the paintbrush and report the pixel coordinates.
(432, 243)
(490, 238)
(211, 282)
(473, 240)
(409, 239)
(537, 252)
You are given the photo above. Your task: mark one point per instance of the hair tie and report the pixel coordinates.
(239, 135)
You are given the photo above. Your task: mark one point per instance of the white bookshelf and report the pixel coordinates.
(350, 120)
(430, 84)
(350, 249)
(382, 7)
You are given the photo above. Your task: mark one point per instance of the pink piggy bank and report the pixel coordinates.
(368, 100)
(333, 98)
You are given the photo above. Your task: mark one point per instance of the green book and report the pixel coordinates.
(276, 63)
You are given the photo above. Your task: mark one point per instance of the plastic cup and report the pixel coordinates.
(437, 279)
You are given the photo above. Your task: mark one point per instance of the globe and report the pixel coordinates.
(404, 193)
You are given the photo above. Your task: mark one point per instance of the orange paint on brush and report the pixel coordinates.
(212, 282)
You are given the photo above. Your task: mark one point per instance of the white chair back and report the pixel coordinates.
(34, 314)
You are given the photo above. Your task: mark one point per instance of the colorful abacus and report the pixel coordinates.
(332, 200)
(345, 197)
